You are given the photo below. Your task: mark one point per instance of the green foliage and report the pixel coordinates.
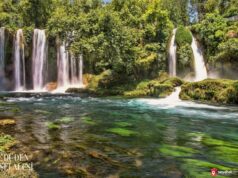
(183, 36)
(211, 90)
(228, 50)
(212, 32)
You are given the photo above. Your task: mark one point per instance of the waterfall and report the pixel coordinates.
(81, 70)
(2, 56)
(172, 55)
(63, 66)
(39, 62)
(70, 69)
(19, 62)
(199, 64)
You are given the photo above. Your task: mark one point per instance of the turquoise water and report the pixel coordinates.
(102, 137)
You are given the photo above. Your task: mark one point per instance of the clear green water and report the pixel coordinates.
(102, 137)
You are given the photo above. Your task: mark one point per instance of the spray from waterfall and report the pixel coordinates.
(172, 55)
(199, 64)
(2, 56)
(39, 61)
(19, 62)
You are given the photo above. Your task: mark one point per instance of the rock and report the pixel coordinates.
(4, 122)
(76, 90)
(51, 86)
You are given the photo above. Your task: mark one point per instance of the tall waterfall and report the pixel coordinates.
(199, 64)
(63, 66)
(70, 69)
(2, 57)
(81, 70)
(39, 61)
(172, 55)
(19, 62)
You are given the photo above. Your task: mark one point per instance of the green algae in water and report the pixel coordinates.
(217, 142)
(66, 120)
(224, 153)
(173, 150)
(88, 120)
(122, 132)
(199, 168)
(52, 125)
(123, 124)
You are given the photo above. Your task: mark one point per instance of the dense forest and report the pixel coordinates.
(125, 41)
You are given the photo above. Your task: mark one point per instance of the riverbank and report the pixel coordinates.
(213, 91)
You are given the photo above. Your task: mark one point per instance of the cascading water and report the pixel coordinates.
(172, 55)
(19, 62)
(199, 64)
(81, 70)
(39, 62)
(69, 73)
(2, 56)
(63, 66)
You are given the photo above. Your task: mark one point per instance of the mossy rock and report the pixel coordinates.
(211, 90)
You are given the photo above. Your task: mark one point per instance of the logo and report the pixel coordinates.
(214, 172)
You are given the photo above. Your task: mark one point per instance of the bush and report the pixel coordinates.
(183, 36)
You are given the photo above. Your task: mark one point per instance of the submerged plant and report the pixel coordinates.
(122, 132)
(52, 125)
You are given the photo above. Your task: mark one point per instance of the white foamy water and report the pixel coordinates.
(199, 64)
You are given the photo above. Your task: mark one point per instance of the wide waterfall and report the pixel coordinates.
(199, 64)
(70, 69)
(39, 59)
(172, 55)
(19, 62)
(2, 57)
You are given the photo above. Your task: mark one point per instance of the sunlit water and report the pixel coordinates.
(125, 137)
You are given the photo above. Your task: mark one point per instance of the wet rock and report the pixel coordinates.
(76, 90)
(51, 86)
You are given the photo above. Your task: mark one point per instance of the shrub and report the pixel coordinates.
(183, 36)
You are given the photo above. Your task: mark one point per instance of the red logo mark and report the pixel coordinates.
(214, 172)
